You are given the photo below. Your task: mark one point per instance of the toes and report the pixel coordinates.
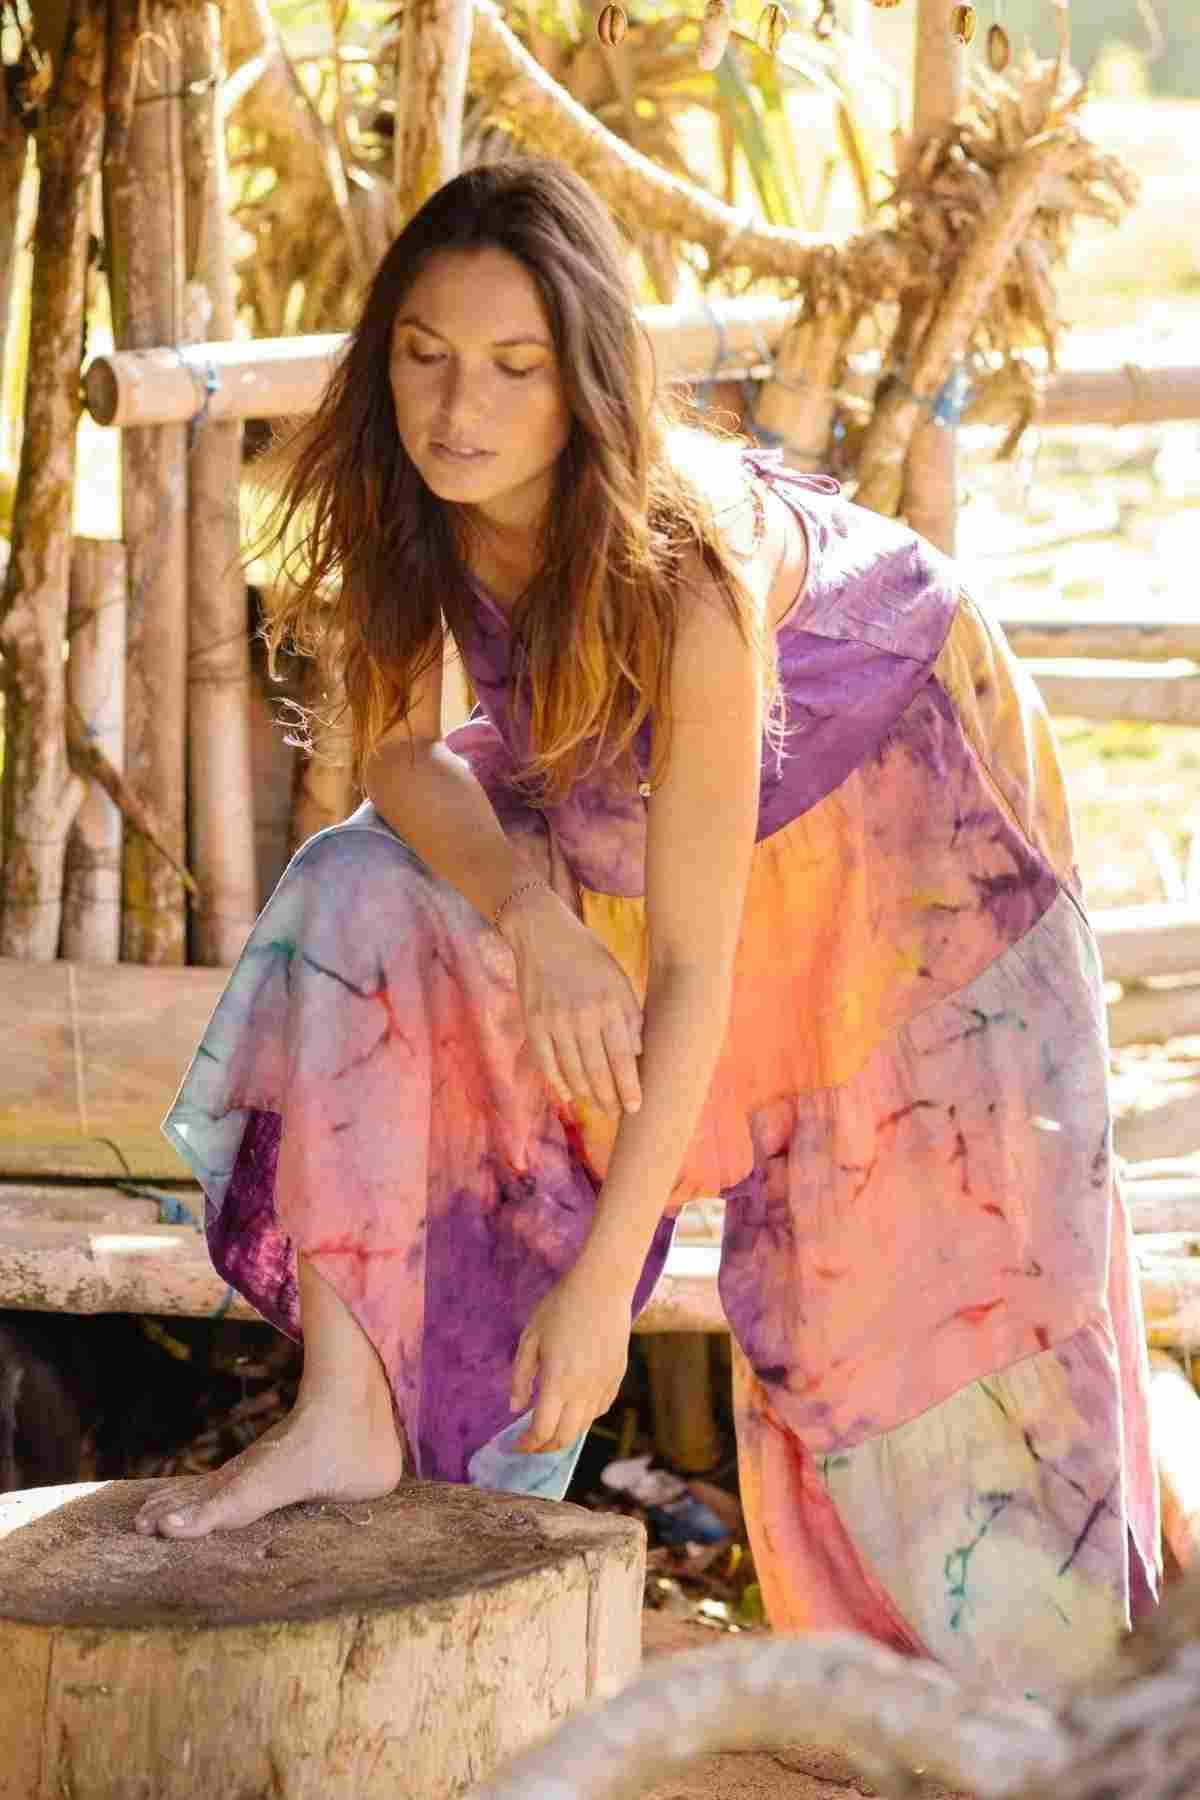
(168, 1501)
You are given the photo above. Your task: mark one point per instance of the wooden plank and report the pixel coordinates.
(1151, 1015)
(1153, 640)
(1170, 1127)
(94, 1055)
(1147, 693)
(1161, 938)
(70, 1267)
(1158, 1206)
(22, 1203)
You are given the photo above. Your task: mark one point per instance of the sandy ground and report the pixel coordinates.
(790, 1774)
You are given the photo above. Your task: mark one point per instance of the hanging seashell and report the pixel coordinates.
(999, 50)
(773, 26)
(612, 25)
(825, 23)
(962, 24)
(715, 27)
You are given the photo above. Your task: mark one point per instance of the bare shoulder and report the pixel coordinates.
(759, 533)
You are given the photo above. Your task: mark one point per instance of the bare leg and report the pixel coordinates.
(338, 1442)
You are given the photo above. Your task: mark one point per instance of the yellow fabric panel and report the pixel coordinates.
(1002, 714)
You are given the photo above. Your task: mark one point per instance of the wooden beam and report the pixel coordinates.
(220, 785)
(26, 1203)
(72, 1267)
(1164, 1206)
(1151, 1015)
(1132, 640)
(143, 206)
(931, 470)
(1129, 395)
(1148, 693)
(282, 377)
(93, 1057)
(91, 922)
(1160, 938)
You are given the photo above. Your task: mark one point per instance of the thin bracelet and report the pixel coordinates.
(524, 888)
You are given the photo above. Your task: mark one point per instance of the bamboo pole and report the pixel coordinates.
(547, 120)
(14, 158)
(143, 214)
(220, 782)
(1164, 1205)
(432, 53)
(1151, 1015)
(685, 1431)
(284, 377)
(1119, 640)
(1157, 938)
(91, 924)
(939, 84)
(41, 793)
(1020, 186)
(1149, 694)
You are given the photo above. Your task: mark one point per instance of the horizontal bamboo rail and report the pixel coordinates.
(1151, 1015)
(1106, 640)
(90, 1250)
(1146, 693)
(282, 377)
(1156, 939)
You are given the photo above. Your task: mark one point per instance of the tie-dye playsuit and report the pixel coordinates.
(939, 1363)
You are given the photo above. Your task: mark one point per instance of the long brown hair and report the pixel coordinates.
(372, 570)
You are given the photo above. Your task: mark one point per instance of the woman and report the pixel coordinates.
(752, 875)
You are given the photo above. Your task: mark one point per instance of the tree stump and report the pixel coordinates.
(402, 1647)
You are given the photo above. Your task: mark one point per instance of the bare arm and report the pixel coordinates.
(702, 823)
(431, 799)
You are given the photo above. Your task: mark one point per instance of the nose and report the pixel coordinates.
(460, 405)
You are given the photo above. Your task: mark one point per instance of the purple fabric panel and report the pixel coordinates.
(843, 697)
(876, 608)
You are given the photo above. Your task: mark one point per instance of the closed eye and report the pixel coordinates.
(513, 374)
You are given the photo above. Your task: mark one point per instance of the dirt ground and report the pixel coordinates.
(795, 1773)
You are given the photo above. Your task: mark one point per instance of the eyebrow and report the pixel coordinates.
(497, 343)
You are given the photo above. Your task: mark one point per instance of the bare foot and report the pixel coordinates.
(324, 1450)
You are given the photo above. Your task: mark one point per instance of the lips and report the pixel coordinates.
(459, 449)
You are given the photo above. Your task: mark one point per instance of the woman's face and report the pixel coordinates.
(474, 370)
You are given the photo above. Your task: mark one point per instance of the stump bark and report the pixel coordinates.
(402, 1647)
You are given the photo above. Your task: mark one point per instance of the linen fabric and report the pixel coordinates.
(939, 1358)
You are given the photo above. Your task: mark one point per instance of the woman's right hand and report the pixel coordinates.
(582, 1014)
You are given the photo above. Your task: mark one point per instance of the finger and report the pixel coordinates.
(542, 1045)
(571, 1064)
(622, 1060)
(594, 1053)
(544, 1423)
(524, 1372)
(574, 1419)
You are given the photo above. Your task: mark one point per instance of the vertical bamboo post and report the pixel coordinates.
(41, 795)
(144, 217)
(14, 156)
(220, 782)
(91, 924)
(685, 1431)
(931, 472)
(432, 53)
